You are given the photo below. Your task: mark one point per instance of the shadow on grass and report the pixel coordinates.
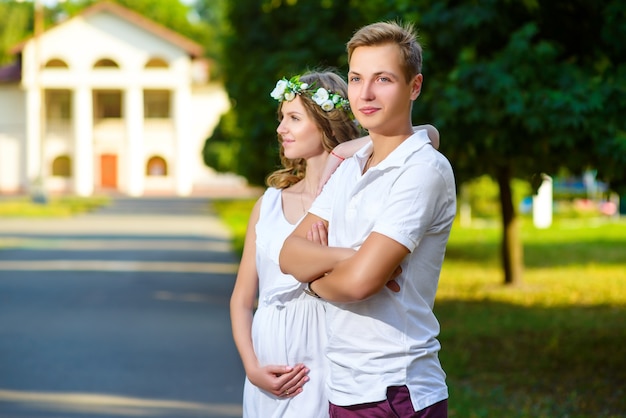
(505, 360)
(548, 254)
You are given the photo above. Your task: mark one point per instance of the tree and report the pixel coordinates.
(521, 88)
(266, 41)
(174, 14)
(15, 24)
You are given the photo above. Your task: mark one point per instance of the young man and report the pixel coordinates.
(389, 211)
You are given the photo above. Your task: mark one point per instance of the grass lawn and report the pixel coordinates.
(552, 347)
(54, 207)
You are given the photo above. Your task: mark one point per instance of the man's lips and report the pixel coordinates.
(368, 110)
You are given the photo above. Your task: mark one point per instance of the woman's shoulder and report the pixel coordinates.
(271, 193)
(270, 198)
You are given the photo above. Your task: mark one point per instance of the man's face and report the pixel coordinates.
(379, 94)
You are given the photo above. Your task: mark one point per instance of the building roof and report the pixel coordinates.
(11, 73)
(192, 48)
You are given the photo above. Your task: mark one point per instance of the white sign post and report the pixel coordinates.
(542, 204)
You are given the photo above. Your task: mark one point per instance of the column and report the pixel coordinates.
(185, 161)
(83, 160)
(33, 162)
(32, 150)
(135, 161)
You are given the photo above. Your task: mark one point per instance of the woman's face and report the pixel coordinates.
(300, 135)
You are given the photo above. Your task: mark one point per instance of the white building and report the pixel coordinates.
(108, 101)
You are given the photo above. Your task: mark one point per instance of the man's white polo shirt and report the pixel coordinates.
(390, 339)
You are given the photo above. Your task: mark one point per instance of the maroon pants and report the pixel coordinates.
(397, 405)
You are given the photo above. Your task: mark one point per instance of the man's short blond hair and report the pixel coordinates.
(382, 33)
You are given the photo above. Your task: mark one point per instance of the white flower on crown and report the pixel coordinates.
(320, 96)
(279, 90)
(286, 90)
(327, 106)
(324, 99)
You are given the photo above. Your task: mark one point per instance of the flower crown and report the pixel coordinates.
(326, 99)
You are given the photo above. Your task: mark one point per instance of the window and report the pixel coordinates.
(58, 105)
(156, 104)
(56, 63)
(106, 63)
(156, 167)
(107, 104)
(62, 166)
(156, 63)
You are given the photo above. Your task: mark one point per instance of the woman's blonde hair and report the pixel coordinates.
(337, 125)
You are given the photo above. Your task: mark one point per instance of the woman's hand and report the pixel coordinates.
(392, 284)
(318, 234)
(280, 381)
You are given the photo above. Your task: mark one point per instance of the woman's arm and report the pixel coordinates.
(338, 155)
(276, 379)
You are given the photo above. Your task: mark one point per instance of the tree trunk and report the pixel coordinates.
(512, 250)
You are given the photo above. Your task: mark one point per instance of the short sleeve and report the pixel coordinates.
(421, 200)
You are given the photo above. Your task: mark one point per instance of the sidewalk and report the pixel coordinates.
(127, 304)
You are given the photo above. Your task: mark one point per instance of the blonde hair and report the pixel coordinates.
(403, 35)
(337, 126)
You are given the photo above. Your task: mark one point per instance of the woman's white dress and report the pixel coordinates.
(288, 326)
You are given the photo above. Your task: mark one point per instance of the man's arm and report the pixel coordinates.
(341, 274)
(363, 274)
(307, 260)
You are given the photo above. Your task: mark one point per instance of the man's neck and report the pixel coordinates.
(385, 144)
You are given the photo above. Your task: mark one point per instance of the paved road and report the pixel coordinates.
(120, 313)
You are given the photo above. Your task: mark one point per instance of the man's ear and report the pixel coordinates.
(416, 86)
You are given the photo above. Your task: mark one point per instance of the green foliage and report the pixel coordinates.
(219, 152)
(508, 85)
(14, 25)
(269, 40)
(235, 214)
(204, 25)
(482, 194)
(210, 15)
(58, 206)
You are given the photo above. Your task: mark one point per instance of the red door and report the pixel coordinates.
(108, 171)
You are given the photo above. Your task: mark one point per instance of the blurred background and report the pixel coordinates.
(169, 97)
(524, 93)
